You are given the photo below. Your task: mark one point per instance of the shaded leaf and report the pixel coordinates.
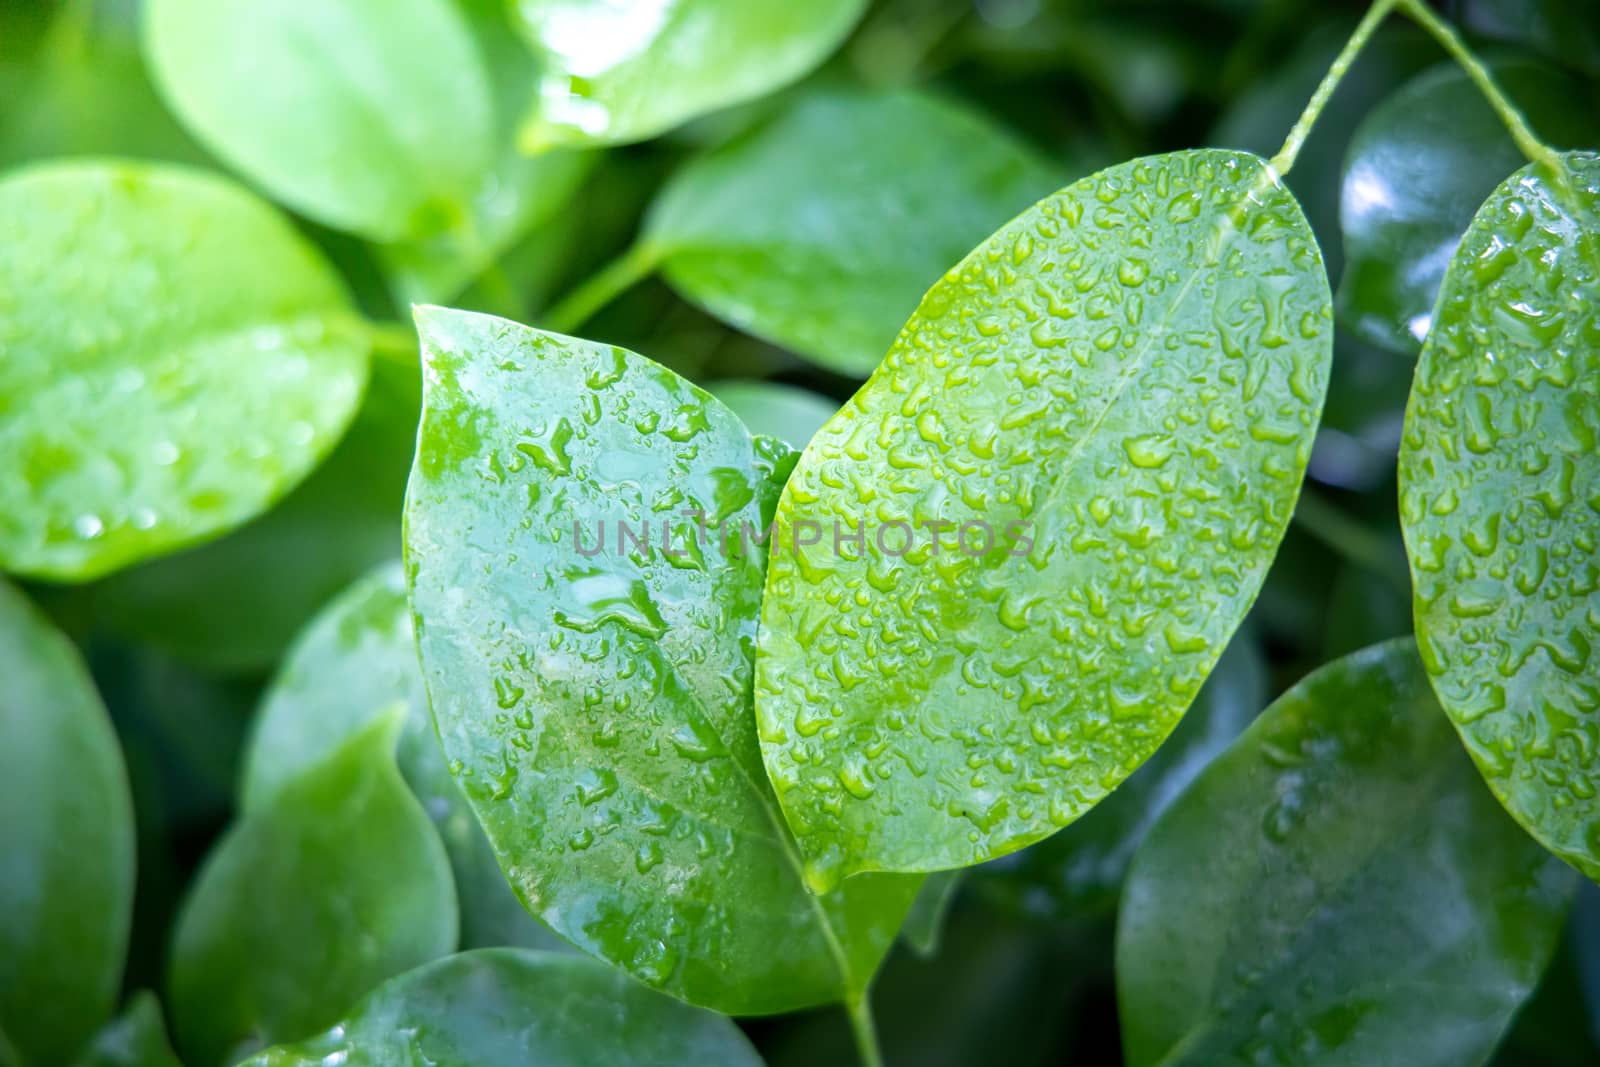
(787, 412)
(1115, 396)
(1336, 888)
(136, 1038)
(1080, 871)
(352, 665)
(1500, 500)
(597, 702)
(1419, 166)
(157, 388)
(1564, 29)
(627, 71)
(368, 115)
(924, 928)
(511, 1006)
(821, 231)
(66, 870)
(310, 901)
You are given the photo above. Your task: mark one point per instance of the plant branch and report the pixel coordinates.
(579, 306)
(1536, 150)
(865, 1032)
(1364, 547)
(393, 341)
(1284, 160)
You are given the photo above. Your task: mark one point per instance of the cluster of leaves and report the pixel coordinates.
(304, 762)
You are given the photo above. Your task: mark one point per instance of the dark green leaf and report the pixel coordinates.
(1080, 871)
(234, 605)
(1337, 888)
(308, 902)
(1418, 169)
(597, 703)
(352, 665)
(626, 71)
(368, 115)
(156, 387)
(137, 1038)
(787, 412)
(66, 866)
(1114, 397)
(1500, 500)
(822, 230)
(1564, 29)
(511, 1006)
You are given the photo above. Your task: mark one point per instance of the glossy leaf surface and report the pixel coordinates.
(509, 1006)
(821, 231)
(66, 871)
(772, 409)
(1080, 870)
(626, 71)
(354, 663)
(597, 703)
(263, 952)
(1419, 167)
(156, 388)
(1500, 500)
(1337, 888)
(1115, 395)
(368, 115)
(234, 604)
(136, 1038)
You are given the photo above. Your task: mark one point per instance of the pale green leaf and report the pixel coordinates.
(772, 409)
(1109, 407)
(157, 386)
(1500, 500)
(597, 703)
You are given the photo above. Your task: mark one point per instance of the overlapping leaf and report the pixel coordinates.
(1109, 407)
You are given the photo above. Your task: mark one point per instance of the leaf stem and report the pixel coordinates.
(1284, 160)
(1364, 547)
(1536, 150)
(602, 287)
(393, 341)
(866, 1033)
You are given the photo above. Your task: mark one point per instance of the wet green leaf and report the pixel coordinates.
(136, 1038)
(156, 389)
(368, 115)
(787, 412)
(1500, 500)
(595, 695)
(233, 605)
(511, 1006)
(626, 71)
(351, 666)
(821, 231)
(1109, 406)
(336, 884)
(1337, 888)
(66, 868)
(1418, 169)
(1080, 871)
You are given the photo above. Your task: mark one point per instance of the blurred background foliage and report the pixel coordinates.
(1019, 969)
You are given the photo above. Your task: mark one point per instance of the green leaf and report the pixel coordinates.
(1080, 871)
(510, 1006)
(354, 662)
(233, 605)
(66, 868)
(772, 409)
(1500, 500)
(157, 388)
(368, 115)
(628, 71)
(310, 901)
(516, 194)
(597, 703)
(1419, 167)
(822, 230)
(137, 1038)
(1564, 29)
(1337, 888)
(1115, 396)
